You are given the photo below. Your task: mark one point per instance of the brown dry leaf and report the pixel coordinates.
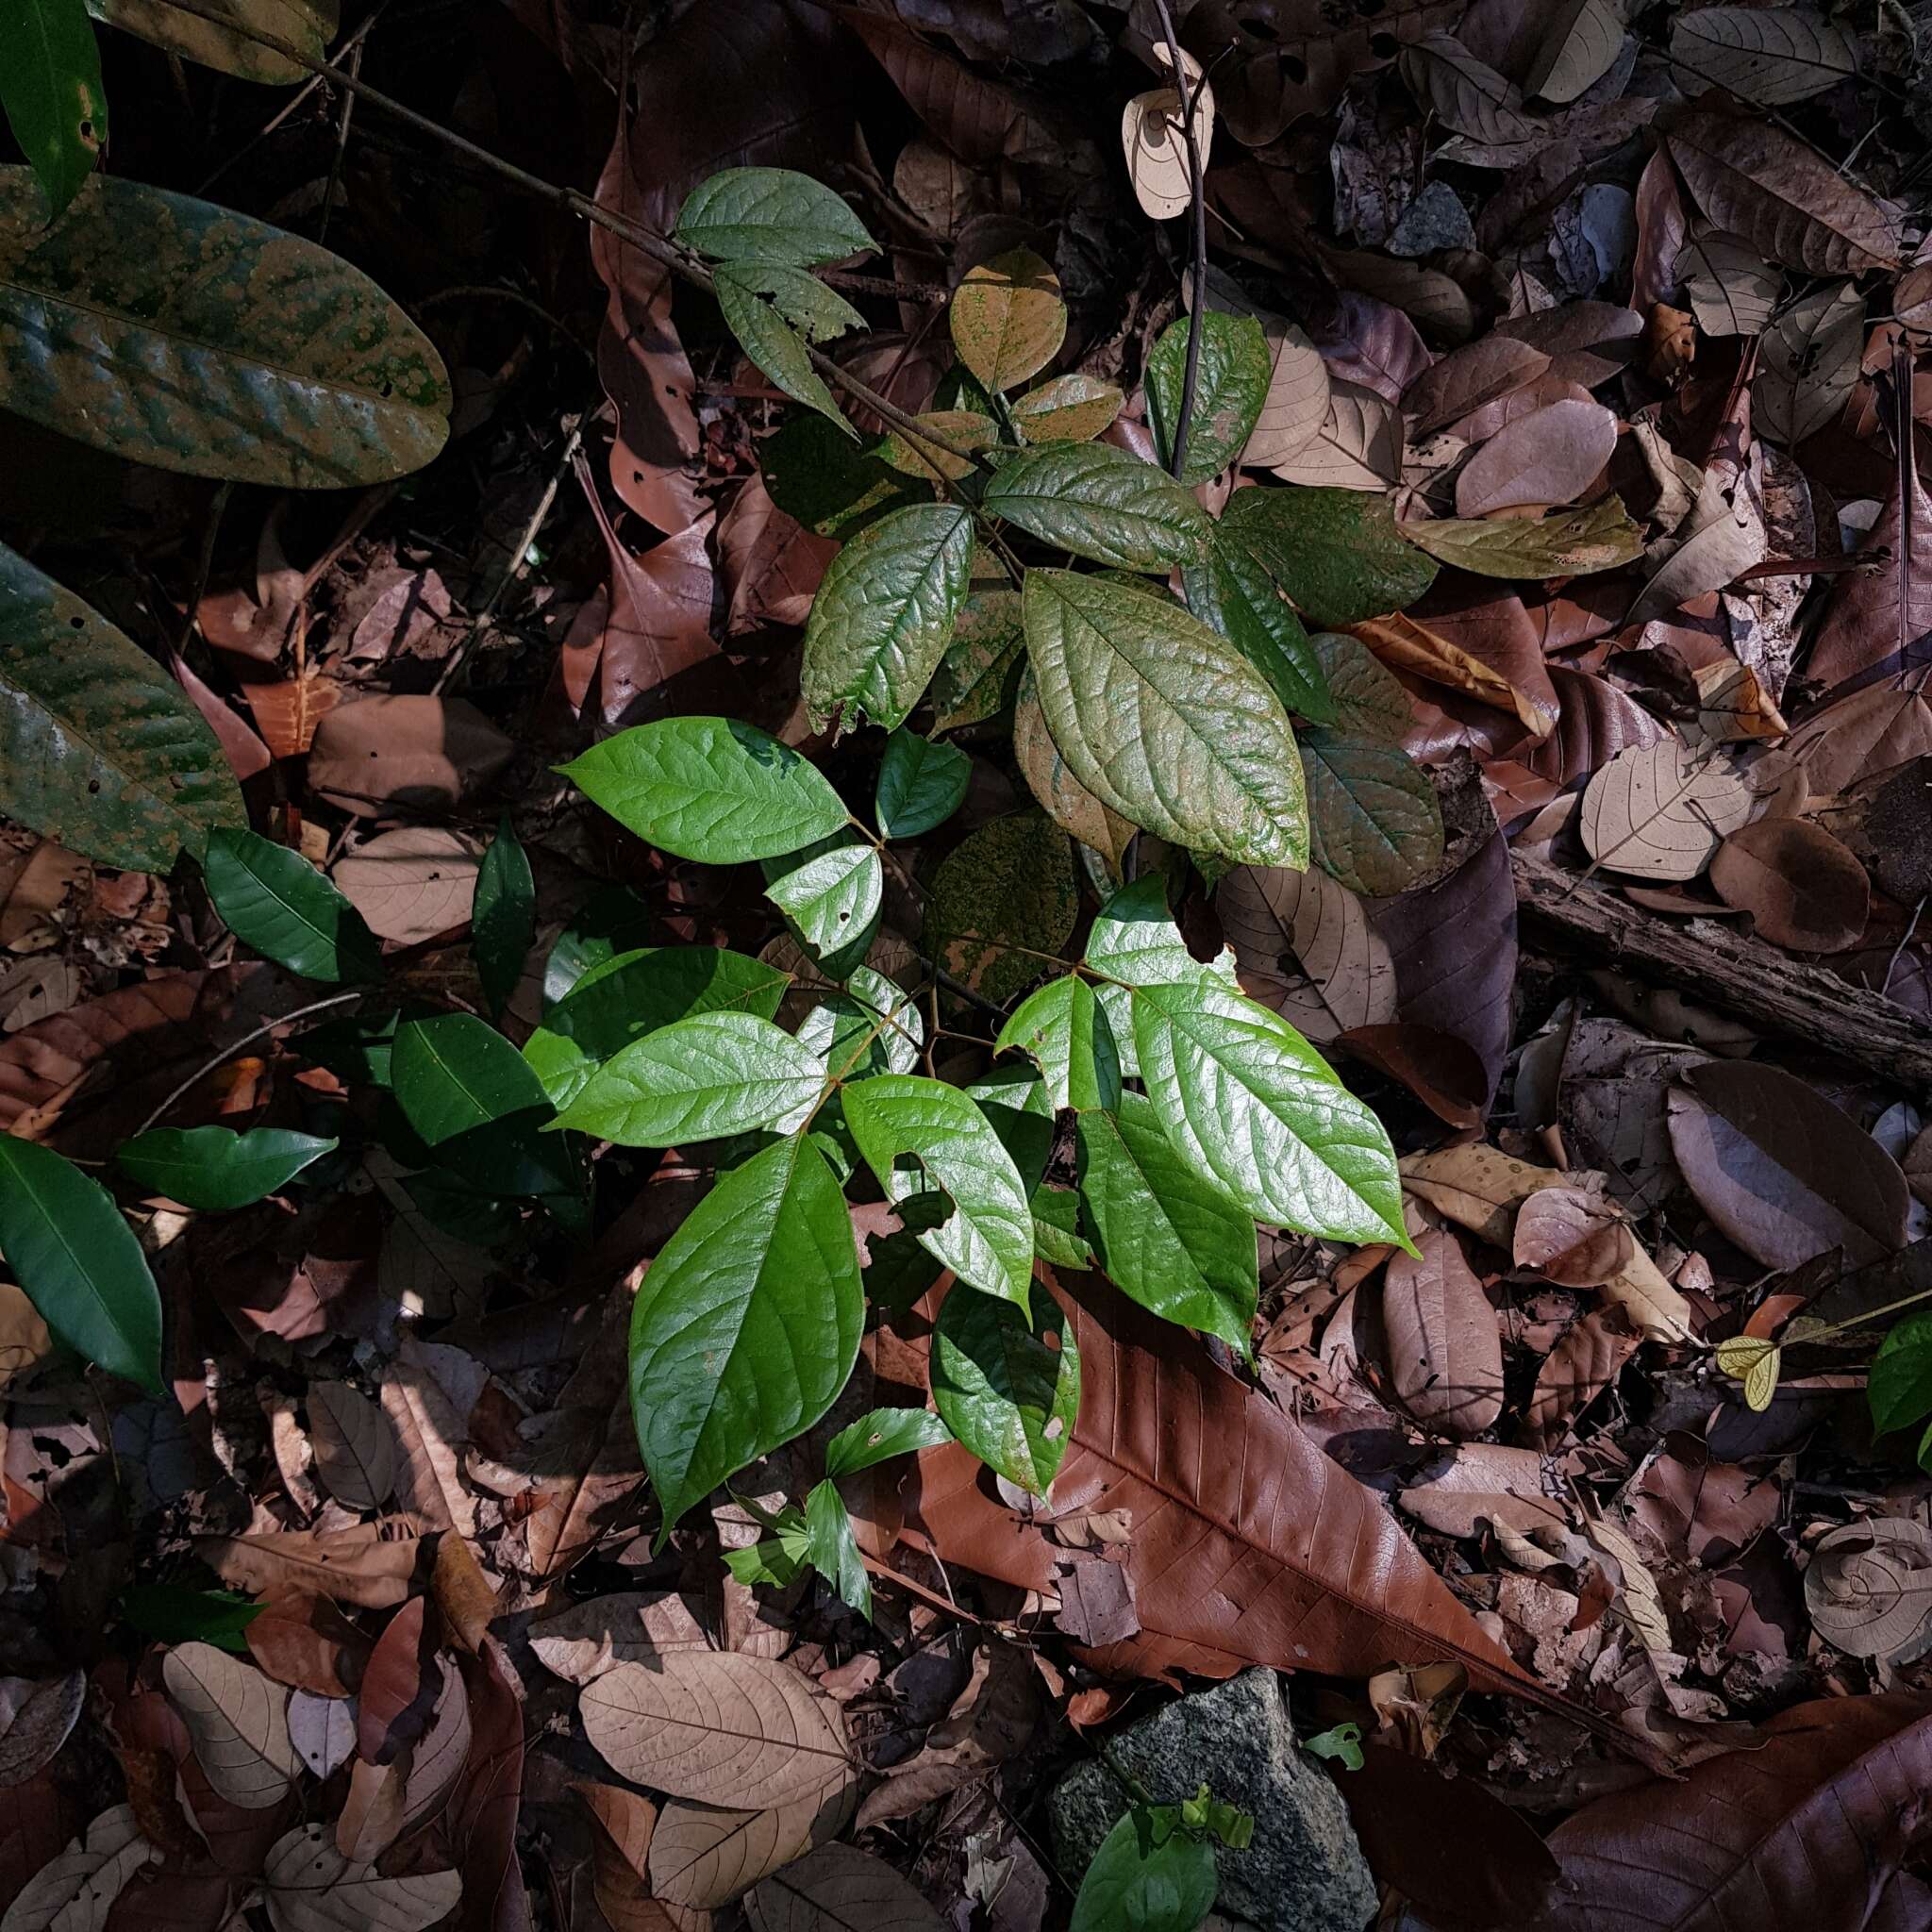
(1733, 705)
(1357, 446)
(716, 1727)
(1466, 94)
(1866, 731)
(302, 1640)
(1549, 456)
(312, 1888)
(1878, 620)
(1647, 1300)
(247, 756)
(1772, 55)
(1485, 1482)
(1478, 1188)
(1808, 362)
(371, 1566)
(355, 1453)
(35, 1720)
(628, 1626)
(400, 1685)
(772, 564)
(77, 1890)
(464, 1594)
(1801, 887)
(413, 883)
(1477, 651)
(1466, 380)
(703, 1857)
(1155, 145)
(839, 1886)
(289, 713)
(1583, 1364)
(1728, 285)
(1445, 1350)
(991, 1720)
(1784, 1175)
(397, 753)
(431, 1438)
(1296, 406)
(432, 1765)
(1660, 812)
(1576, 1238)
(1303, 946)
(371, 1819)
(239, 1722)
(1579, 45)
(1869, 1588)
(620, 1828)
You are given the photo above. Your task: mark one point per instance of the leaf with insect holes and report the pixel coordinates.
(1006, 1379)
(1006, 318)
(832, 899)
(880, 1435)
(884, 614)
(273, 900)
(1101, 503)
(215, 1169)
(50, 88)
(769, 214)
(312, 1886)
(1231, 385)
(921, 785)
(770, 342)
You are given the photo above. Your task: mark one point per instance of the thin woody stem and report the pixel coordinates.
(1198, 200)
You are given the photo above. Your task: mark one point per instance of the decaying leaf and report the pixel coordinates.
(1660, 812)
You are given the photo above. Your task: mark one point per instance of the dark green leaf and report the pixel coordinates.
(921, 785)
(1147, 1876)
(1164, 720)
(216, 1168)
(1101, 503)
(697, 1080)
(612, 920)
(880, 1435)
(219, 43)
(833, 899)
(884, 614)
(814, 473)
(746, 1325)
(1065, 1030)
(1231, 591)
(1056, 1237)
(1003, 894)
(770, 342)
(77, 1261)
(1231, 384)
(1368, 698)
(1175, 1243)
(709, 789)
(981, 669)
(503, 923)
(99, 748)
(276, 902)
(187, 336)
(1336, 553)
(817, 313)
(769, 214)
(1899, 1387)
(835, 1549)
(172, 1613)
(1006, 1380)
(50, 88)
(988, 1239)
(1378, 823)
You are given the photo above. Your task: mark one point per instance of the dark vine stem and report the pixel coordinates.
(1198, 200)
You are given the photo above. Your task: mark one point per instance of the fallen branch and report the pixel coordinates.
(1711, 961)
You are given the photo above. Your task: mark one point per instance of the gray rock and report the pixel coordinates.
(1435, 219)
(1303, 1872)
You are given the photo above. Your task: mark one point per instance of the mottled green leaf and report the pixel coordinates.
(1336, 553)
(1164, 720)
(1568, 542)
(1006, 1379)
(932, 456)
(502, 921)
(1061, 796)
(746, 1324)
(1070, 408)
(709, 788)
(1064, 1029)
(1368, 698)
(1376, 822)
(884, 614)
(77, 1261)
(921, 785)
(1101, 503)
(1007, 318)
(817, 313)
(774, 344)
(99, 748)
(1229, 591)
(51, 91)
(1005, 895)
(187, 336)
(881, 1434)
(219, 41)
(215, 1168)
(977, 677)
(1231, 384)
(276, 902)
(769, 214)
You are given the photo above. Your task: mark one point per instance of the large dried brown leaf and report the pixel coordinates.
(312, 1887)
(238, 1721)
(400, 1685)
(1864, 732)
(1660, 812)
(1468, 636)
(302, 1640)
(1445, 1351)
(355, 1453)
(430, 1438)
(772, 564)
(1586, 1361)
(1879, 621)
(35, 1720)
(1303, 946)
(702, 1857)
(621, 1824)
(628, 1626)
(1802, 887)
(400, 753)
(1469, 377)
(836, 1887)
(413, 883)
(75, 1891)
(1551, 456)
(1594, 723)
(372, 1566)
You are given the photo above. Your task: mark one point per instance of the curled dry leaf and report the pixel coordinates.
(1660, 812)
(312, 1887)
(1157, 147)
(371, 1566)
(715, 1726)
(355, 1453)
(1575, 1238)
(1444, 1348)
(1303, 946)
(834, 1887)
(1869, 1588)
(1551, 456)
(239, 1722)
(1802, 887)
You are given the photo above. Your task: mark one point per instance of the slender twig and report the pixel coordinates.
(247, 1040)
(1198, 200)
(342, 153)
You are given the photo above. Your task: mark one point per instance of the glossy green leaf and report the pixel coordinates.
(1569, 542)
(817, 313)
(774, 346)
(219, 41)
(817, 476)
(769, 214)
(709, 789)
(503, 922)
(834, 1549)
(1064, 1029)
(1147, 1876)
(1004, 896)
(1070, 408)
(921, 785)
(1376, 821)
(1101, 503)
(697, 1080)
(1231, 385)
(613, 920)
(904, 1118)
(172, 1613)
(273, 900)
(1336, 553)
(77, 1261)
(1164, 720)
(99, 747)
(1163, 1235)
(1134, 940)
(874, 1026)
(624, 998)
(1231, 593)
(881, 1434)
(746, 1325)
(1007, 1382)
(51, 91)
(884, 614)
(215, 1168)
(1245, 1099)
(187, 336)
(1899, 1387)
(980, 672)
(1056, 1237)
(832, 898)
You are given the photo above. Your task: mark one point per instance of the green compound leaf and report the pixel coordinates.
(1377, 823)
(1336, 553)
(1101, 503)
(50, 89)
(1229, 591)
(1163, 1235)
(1164, 720)
(1065, 1030)
(746, 1325)
(1147, 1876)
(215, 1168)
(872, 1028)
(921, 785)
(987, 1240)
(309, 24)
(503, 923)
(698, 1079)
(1231, 385)
(832, 899)
(712, 789)
(834, 1549)
(1007, 1382)
(77, 1261)
(182, 333)
(769, 214)
(770, 342)
(884, 614)
(276, 902)
(99, 747)
(635, 994)
(880, 1435)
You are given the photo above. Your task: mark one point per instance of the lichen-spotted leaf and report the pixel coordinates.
(215, 33)
(1377, 825)
(1229, 591)
(1007, 318)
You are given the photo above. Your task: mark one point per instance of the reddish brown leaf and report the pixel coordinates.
(303, 1640)
(772, 563)
(1801, 887)
(421, 754)
(1575, 1238)
(1445, 1351)
(1583, 1364)
(288, 714)
(371, 1565)
(1467, 377)
(1595, 722)
(482, 1822)
(1445, 1073)
(1879, 621)
(245, 753)
(400, 1685)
